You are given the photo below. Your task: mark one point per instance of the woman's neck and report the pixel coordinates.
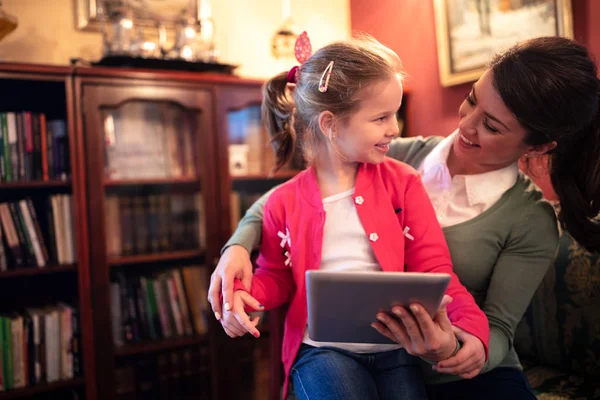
(334, 175)
(458, 166)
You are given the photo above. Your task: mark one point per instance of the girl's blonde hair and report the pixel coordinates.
(291, 116)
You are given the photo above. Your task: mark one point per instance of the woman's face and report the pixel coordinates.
(490, 137)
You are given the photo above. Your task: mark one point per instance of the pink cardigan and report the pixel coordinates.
(399, 221)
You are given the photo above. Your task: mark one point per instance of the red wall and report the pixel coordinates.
(407, 26)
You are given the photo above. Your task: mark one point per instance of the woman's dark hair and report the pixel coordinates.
(551, 86)
(291, 117)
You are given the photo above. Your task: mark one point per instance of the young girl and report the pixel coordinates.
(344, 212)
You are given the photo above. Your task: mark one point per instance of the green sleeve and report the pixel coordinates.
(521, 266)
(249, 229)
(412, 150)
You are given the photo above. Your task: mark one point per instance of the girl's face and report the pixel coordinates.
(489, 137)
(366, 134)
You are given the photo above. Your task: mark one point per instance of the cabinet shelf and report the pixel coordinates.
(153, 346)
(33, 271)
(156, 257)
(35, 185)
(41, 389)
(152, 182)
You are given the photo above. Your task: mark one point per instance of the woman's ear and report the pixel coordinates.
(326, 123)
(541, 149)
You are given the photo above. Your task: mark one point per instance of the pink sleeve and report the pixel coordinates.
(426, 250)
(273, 283)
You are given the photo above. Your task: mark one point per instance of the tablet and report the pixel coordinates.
(343, 305)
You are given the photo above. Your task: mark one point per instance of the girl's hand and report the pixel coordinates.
(236, 321)
(469, 360)
(421, 336)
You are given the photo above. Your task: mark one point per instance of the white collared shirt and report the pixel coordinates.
(462, 197)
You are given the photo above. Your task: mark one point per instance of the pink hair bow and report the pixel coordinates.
(302, 51)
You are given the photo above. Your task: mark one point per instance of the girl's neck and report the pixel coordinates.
(334, 175)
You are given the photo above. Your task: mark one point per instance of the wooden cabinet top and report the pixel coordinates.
(127, 73)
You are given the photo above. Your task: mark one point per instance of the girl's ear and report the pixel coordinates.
(326, 123)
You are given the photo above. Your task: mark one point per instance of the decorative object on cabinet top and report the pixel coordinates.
(164, 64)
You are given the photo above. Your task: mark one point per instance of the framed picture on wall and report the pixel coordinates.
(470, 32)
(148, 13)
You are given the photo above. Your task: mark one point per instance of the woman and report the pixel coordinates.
(540, 97)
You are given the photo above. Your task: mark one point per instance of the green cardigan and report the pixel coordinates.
(500, 256)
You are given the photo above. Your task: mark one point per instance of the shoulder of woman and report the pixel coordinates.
(413, 149)
(536, 222)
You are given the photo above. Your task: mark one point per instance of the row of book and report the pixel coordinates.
(37, 233)
(149, 140)
(179, 374)
(39, 345)
(33, 148)
(168, 304)
(153, 223)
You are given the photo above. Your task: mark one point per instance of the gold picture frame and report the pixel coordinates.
(150, 13)
(463, 53)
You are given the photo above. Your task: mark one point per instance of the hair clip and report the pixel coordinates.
(326, 75)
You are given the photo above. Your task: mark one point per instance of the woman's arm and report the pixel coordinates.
(249, 229)
(517, 274)
(273, 283)
(235, 257)
(520, 268)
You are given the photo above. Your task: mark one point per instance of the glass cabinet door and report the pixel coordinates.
(150, 167)
(149, 140)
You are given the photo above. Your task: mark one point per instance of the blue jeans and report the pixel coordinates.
(326, 373)
(498, 384)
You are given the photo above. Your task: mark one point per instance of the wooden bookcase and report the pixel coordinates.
(37, 90)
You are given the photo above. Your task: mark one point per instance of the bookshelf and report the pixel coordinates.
(44, 274)
(149, 152)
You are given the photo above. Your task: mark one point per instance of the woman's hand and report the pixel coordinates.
(234, 263)
(469, 360)
(236, 322)
(421, 336)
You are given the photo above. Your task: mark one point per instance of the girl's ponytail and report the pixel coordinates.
(277, 114)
